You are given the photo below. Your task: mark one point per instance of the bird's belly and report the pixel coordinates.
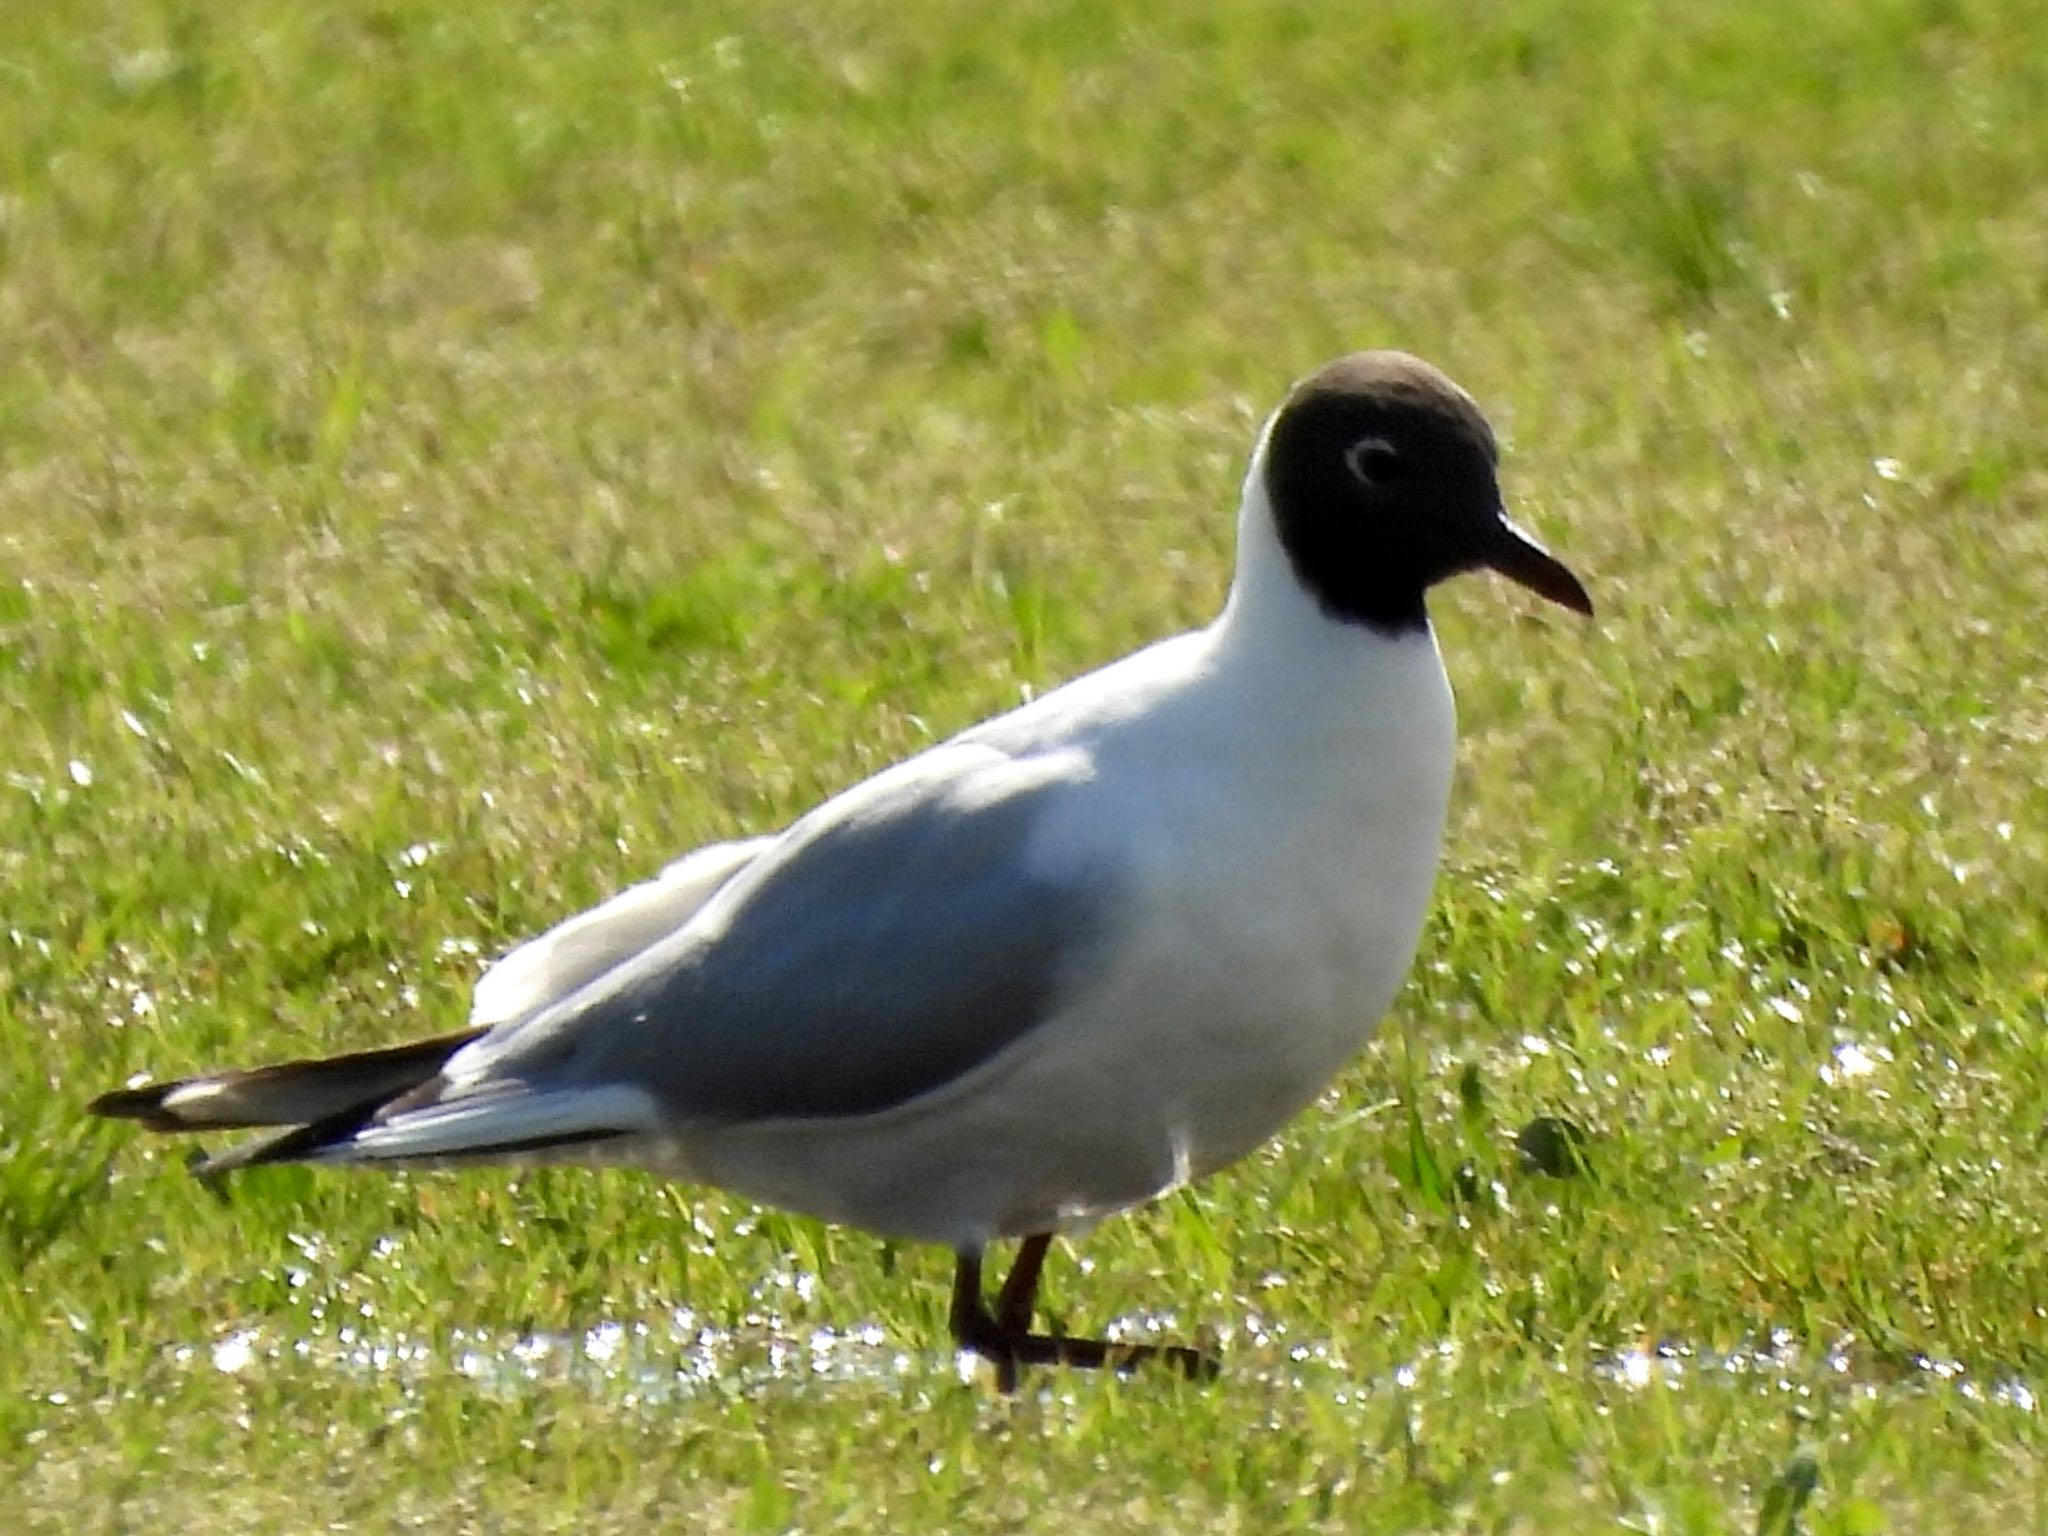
(1250, 1040)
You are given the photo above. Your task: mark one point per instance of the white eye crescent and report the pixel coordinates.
(1373, 460)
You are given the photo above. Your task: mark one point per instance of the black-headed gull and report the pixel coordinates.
(1047, 970)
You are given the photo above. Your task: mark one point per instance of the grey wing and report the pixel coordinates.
(896, 938)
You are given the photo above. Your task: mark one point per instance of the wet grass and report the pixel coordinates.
(452, 459)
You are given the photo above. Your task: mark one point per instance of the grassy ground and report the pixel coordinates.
(452, 458)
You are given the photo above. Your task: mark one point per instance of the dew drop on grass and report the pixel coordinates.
(1634, 1368)
(1850, 1060)
(235, 1352)
(602, 1343)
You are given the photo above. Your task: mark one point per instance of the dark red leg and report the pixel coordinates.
(1004, 1337)
(1018, 1299)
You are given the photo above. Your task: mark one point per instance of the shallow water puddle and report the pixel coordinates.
(640, 1362)
(650, 1363)
(667, 1357)
(1779, 1362)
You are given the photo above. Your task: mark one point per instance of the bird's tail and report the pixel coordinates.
(322, 1101)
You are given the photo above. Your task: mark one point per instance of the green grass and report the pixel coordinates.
(453, 458)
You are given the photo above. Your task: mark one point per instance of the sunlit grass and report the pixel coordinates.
(453, 458)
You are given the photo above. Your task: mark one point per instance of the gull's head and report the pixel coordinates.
(1382, 479)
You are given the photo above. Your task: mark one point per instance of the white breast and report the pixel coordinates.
(1289, 876)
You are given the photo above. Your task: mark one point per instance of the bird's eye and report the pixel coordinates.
(1373, 460)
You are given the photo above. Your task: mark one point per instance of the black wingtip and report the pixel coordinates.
(294, 1144)
(145, 1104)
(286, 1093)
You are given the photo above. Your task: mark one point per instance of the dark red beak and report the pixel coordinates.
(1520, 558)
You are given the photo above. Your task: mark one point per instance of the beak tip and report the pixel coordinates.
(1521, 559)
(1572, 596)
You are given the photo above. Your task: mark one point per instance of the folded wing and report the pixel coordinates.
(892, 941)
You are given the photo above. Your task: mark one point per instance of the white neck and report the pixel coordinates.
(1268, 607)
(1318, 676)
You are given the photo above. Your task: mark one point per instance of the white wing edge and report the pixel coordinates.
(550, 967)
(486, 1121)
